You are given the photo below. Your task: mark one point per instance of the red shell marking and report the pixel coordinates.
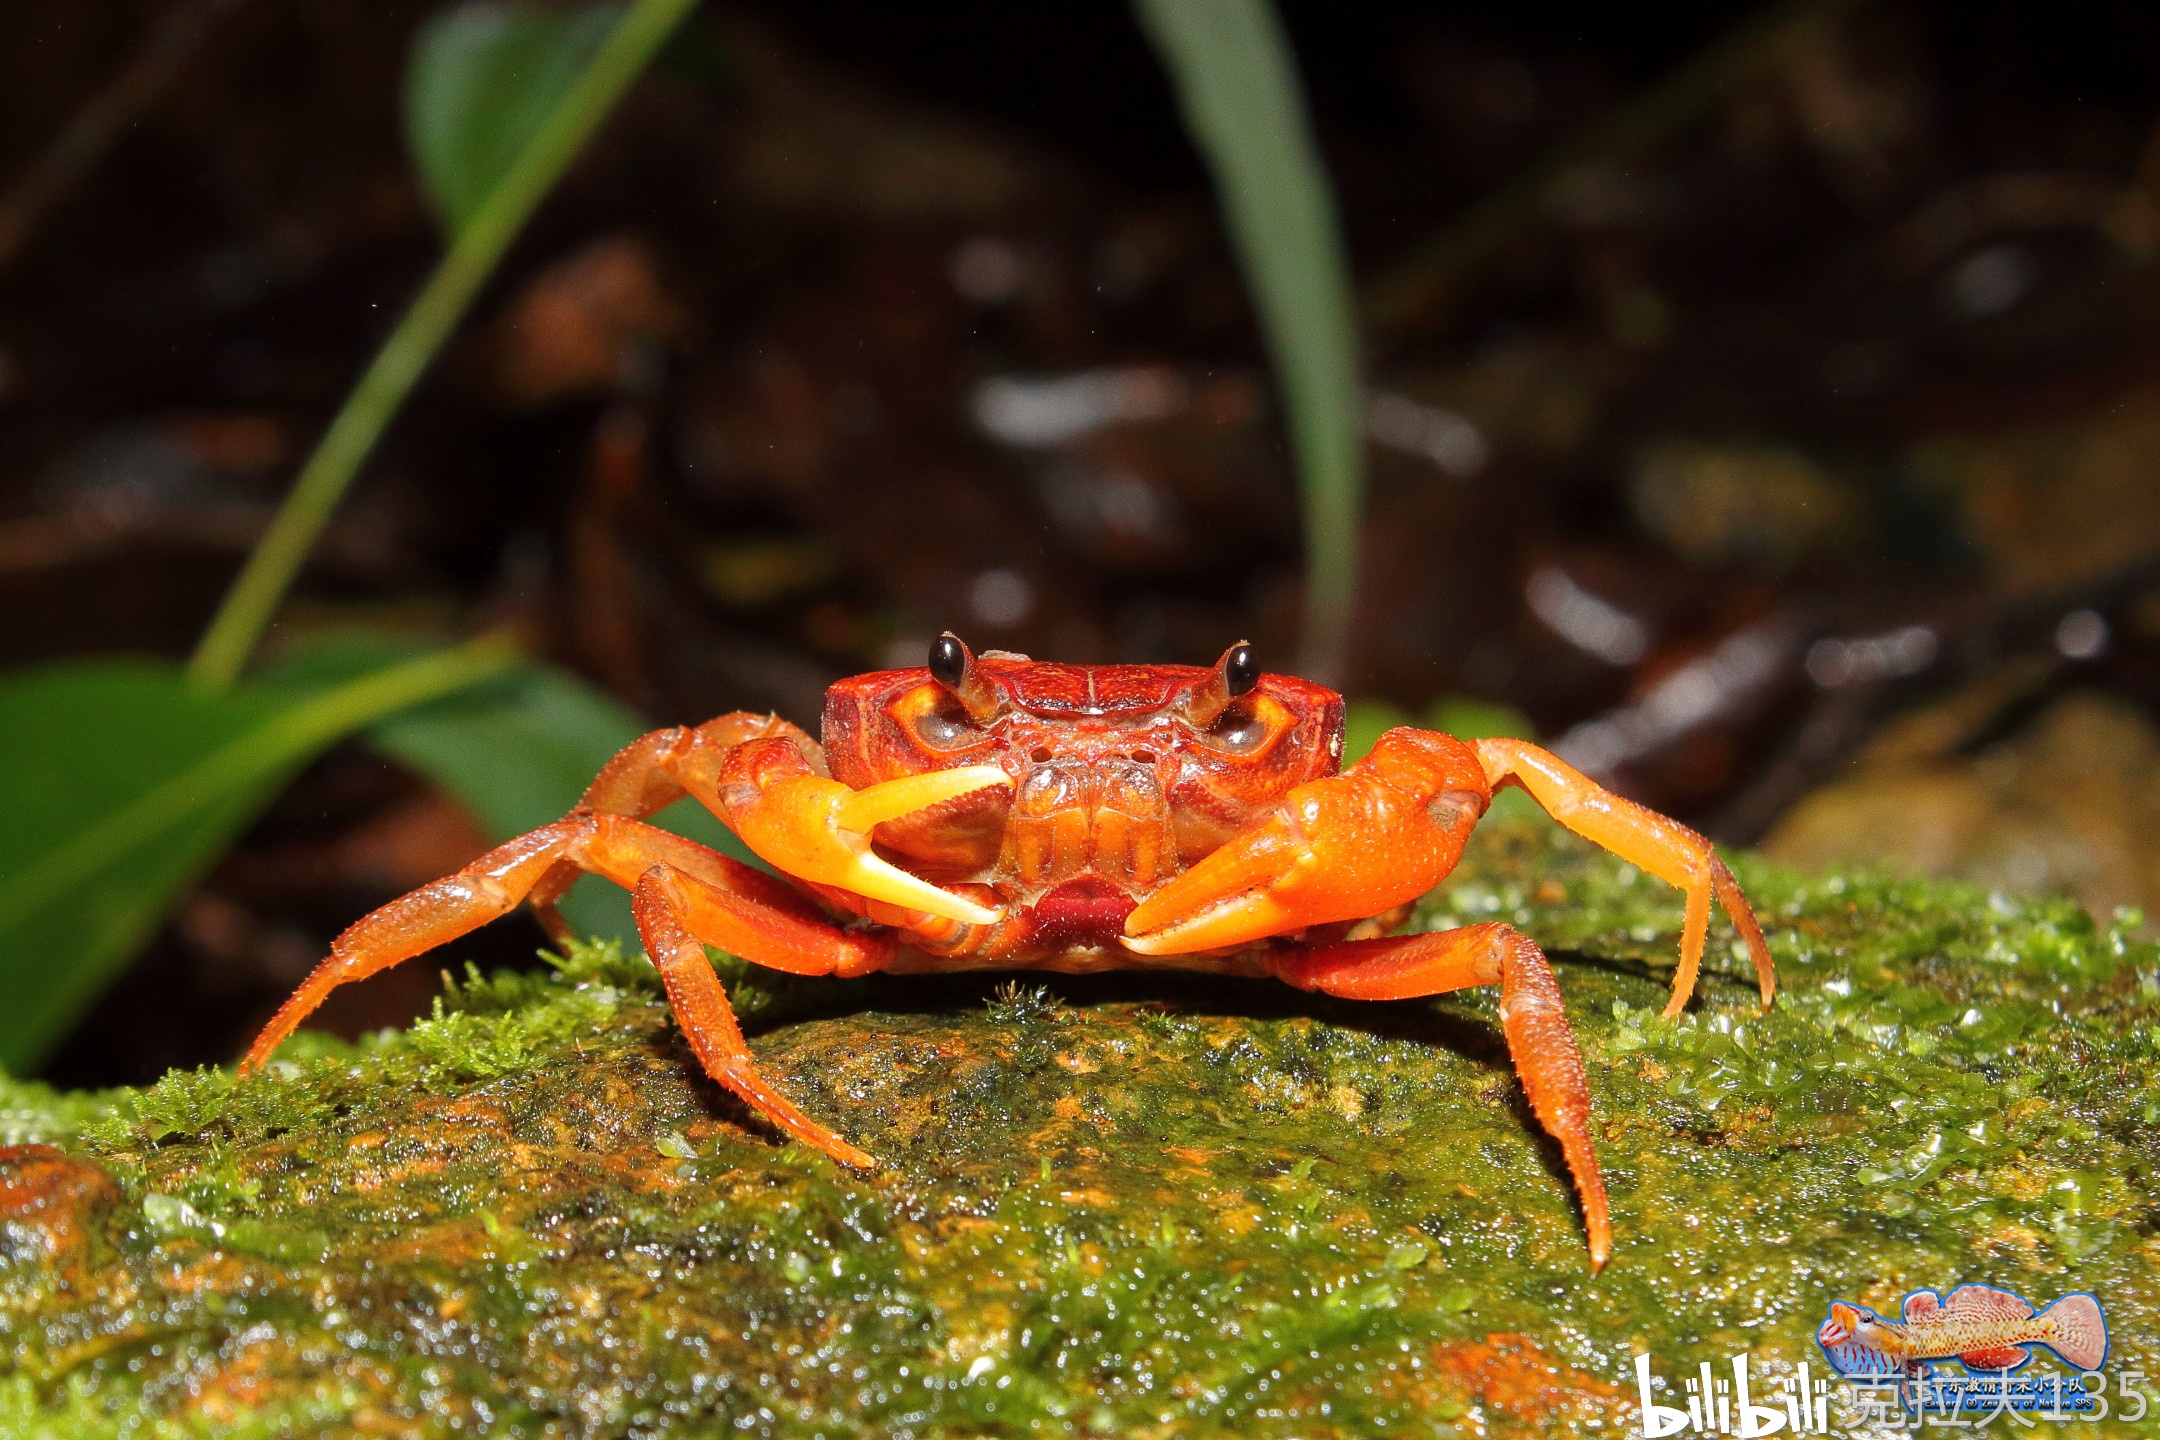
(1119, 773)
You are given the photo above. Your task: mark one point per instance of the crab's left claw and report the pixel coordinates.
(817, 829)
(1383, 832)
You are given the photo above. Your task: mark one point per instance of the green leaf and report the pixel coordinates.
(517, 751)
(124, 786)
(1466, 717)
(1364, 722)
(1463, 716)
(1238, 87)
(484, 79)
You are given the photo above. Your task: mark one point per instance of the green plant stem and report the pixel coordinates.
(397, 367)
(281, 741)
(1238, 87)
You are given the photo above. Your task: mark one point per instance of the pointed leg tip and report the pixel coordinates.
(845, 1153)
(804, 1130)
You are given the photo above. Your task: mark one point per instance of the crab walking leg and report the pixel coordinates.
(1643, 838)
(492, 886)
(651, 773)
(1539, 1039)
(435, 914)
(780, 930)
(766, 780)
(678, 915)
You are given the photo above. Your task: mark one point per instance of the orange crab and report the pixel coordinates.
(996, 812)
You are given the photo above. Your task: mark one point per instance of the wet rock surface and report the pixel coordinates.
(1125, 1206)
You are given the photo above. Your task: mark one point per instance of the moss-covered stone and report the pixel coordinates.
(1135, 1205)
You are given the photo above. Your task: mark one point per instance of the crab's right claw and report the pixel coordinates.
(818, 830)
(1384, 831)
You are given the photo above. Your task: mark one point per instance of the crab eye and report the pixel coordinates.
(949, 661)
(943, 732)
(1238, 731)
(1240, 669)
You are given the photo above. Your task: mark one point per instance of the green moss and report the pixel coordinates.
(1125, 1205)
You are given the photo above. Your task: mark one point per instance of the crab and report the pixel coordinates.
(996, 812)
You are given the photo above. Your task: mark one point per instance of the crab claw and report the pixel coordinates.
(1382, 832)
(817, 829)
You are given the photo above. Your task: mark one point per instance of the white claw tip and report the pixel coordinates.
(872, 806)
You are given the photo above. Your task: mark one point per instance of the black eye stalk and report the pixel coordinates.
(1235, 674)
(949, 659)
(952, 665)
(1240, 669)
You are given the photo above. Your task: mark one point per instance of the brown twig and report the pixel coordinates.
(93, 129)
(1412, 293)
(603, 584)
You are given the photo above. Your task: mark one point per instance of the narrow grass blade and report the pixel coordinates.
(442, 302)
(1237, 84)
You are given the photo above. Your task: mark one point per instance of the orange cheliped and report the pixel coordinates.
(994, 812)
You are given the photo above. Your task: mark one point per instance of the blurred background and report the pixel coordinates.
(1761, 406)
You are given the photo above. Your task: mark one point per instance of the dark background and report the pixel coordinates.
(1842, 390)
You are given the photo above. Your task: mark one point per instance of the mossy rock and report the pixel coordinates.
(1133, 1205)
